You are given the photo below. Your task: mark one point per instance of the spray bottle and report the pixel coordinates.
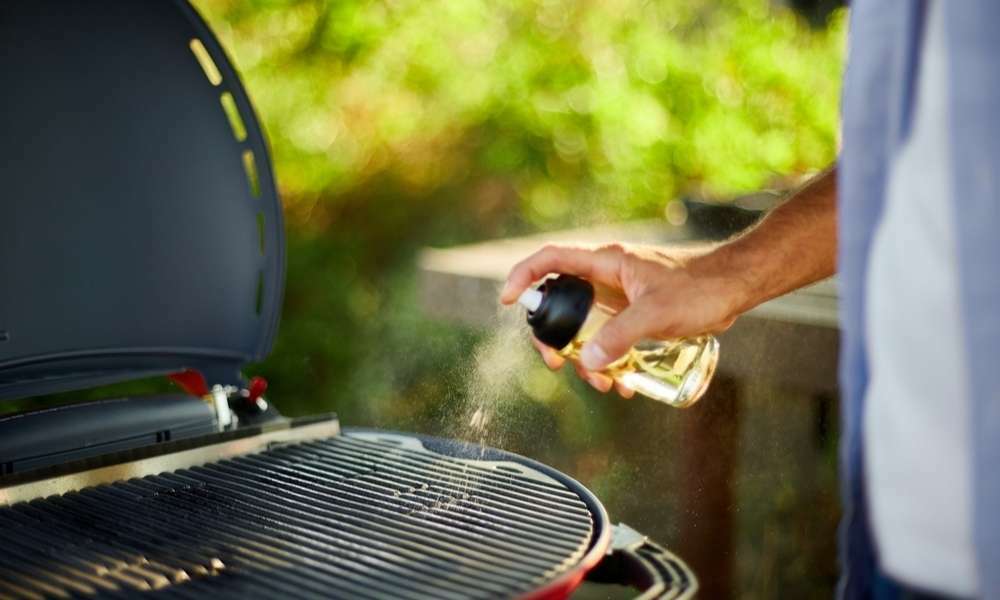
(564, 314)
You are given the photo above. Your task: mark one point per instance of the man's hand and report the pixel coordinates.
(667, 293)
(670, 293)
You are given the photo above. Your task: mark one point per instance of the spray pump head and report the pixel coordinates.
(557, 309)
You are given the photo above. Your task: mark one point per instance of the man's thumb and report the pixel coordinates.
(614, 339)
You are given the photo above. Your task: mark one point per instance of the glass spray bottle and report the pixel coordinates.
(564, 314)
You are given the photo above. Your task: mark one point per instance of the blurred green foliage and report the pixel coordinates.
(559, 107)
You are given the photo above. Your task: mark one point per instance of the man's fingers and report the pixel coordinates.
(623, 390)
(619, 334)
(603, 383)
(549, 356)
(598, 381)
(601, 265)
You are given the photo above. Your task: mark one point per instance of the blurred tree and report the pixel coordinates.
(572, 110)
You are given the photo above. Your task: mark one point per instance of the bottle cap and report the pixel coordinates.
(560, 312)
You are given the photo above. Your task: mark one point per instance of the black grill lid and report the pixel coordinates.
(140, 230)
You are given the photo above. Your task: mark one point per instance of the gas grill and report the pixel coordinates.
(141, 235)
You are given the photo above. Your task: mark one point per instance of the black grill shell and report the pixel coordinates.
(361, 515)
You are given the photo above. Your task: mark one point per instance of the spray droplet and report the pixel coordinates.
(480, 419)
(492, 385)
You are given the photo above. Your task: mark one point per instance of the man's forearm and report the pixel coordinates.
(795, 245)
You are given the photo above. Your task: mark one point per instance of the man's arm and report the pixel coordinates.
(679, 292)
(795, 245)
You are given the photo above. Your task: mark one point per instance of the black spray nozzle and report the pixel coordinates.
(565, 303)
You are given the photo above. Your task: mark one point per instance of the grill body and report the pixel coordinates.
(361, 515)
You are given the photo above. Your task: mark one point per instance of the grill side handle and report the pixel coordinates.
(635, 561)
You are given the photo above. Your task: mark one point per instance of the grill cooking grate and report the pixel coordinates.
(344, 516)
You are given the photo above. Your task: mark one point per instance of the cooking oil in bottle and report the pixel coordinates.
(564, 314)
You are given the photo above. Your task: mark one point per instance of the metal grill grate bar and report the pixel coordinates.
(341, 517)
(503, 485)
(396, 528)
(500, 518)
(278, 550)
(113, 560)
(442, 465)
(139, 538)
(359, 546)
(512, 496)
(257, 547)
(283, 536)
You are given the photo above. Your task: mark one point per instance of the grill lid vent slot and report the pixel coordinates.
(206, 62)
(233, 114)
(250, 166)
